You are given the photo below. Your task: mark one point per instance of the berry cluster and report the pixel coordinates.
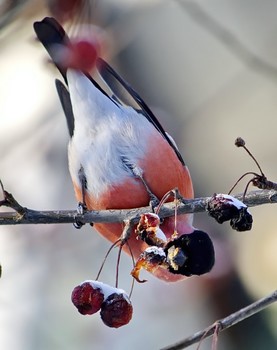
(223, 207)
(115, 307)
(187, 254)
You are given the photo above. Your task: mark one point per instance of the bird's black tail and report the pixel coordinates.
(50, 33)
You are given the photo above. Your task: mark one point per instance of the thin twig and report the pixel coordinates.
(10, 202)
(226, 322)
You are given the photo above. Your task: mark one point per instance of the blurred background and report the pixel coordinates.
(208, 70)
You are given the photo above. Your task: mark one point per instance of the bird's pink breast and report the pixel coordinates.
(163, 172)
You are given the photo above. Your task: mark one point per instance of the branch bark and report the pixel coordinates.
(226, 322)
(29, 216)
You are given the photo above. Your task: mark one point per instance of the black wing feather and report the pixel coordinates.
(51, 33)
(125, 93)
(66, 105)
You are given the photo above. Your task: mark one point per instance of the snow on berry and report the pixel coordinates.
(87, 297)
(91, 296)
(148, 230)
(223, 207)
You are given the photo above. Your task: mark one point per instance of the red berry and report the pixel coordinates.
(151, 219)
(80, 53)
(83, 54)
(117, 310)
(87, 298)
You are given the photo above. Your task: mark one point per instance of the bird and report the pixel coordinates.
(119, 155)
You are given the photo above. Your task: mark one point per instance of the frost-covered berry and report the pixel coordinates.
(117, 310)
(150, 259)
(223, 207)
(148, 230)
(91, 296)
(87, 297)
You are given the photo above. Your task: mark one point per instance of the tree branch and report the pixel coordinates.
(226, 322)
(28, 216)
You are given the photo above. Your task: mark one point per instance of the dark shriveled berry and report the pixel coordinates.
(243, 222)
(190, 254)
(239, 142)
(116, 311)
(87, 298)
(223, 207)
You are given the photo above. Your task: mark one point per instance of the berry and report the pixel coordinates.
(243, 222)
(190, 254)
(223, 207)
(83, 54)
(239, 142)
(80, 53)
(148, 230)
(117, 310)
(87, 298)
(150, 259)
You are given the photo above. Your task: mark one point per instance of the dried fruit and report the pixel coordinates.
(91, 296)
(117, 310)
(148, 230)
(223, 207)
(87, 297)
(150, 259)
(190, 254)
(243, 222)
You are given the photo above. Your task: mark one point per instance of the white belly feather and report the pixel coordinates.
(104, 134)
